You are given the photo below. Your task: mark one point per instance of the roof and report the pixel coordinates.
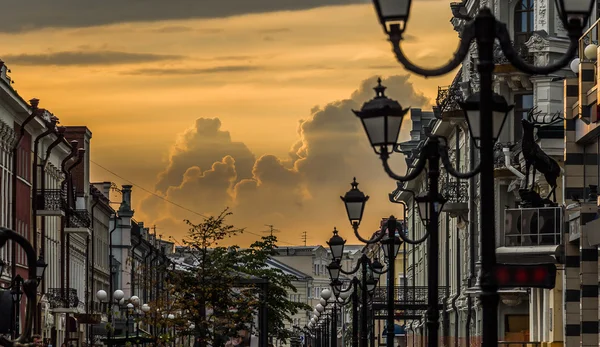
(274, 263)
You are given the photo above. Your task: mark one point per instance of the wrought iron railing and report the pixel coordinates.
(79, 219)
(448, 97)
(522, 51)
(455, 191)
(532, 227)
(51, 200)
(56, 300)
(499, 157)
(406, 295)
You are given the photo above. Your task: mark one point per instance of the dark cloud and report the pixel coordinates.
(87, 58)
(193, 71)
(172, 29)
(297, 193)
(38, 14)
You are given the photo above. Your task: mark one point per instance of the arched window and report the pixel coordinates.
(523, 21)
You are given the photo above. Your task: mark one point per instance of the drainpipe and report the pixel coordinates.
(133, 263)
(508, 164)
(34, 199)
(458, 262)
(146, 273)
(472, 230)
(446, 314)
(34, 179)
(80, 155)
(15, 162)
(90, 279)
(110, 269)
(63, 250)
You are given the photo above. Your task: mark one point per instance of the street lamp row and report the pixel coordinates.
(486, 113)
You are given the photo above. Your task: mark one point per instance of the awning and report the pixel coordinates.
(530, 254)
(398, 330)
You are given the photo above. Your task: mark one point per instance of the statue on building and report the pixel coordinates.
(536, 157)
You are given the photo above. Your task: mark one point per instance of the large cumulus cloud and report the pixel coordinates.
(208, 171)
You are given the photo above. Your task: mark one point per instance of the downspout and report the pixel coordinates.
(133, 263)
(59, 139)
(471, 230)
(34, 179)
(90, 279)
(446, 314)
(458, 262)
(34, 209)
(146, 273)
(113, 216)
(15, 162)
(80, 154)
(63, 165)
(508, 164)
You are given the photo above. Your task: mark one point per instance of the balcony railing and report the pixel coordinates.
(79, 219)
(532, 227)
(56, 300)
(455, 191)
(416, 295)
(51, 202)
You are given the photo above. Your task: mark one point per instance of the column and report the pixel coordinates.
(589, 281)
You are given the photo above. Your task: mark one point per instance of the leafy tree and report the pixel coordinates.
(207, 296)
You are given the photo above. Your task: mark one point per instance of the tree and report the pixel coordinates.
(208, 296)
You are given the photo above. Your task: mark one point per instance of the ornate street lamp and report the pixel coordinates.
(424, 201)
(485, 29)
(388, 243)
(334, 270)
(500, 109)
(355, 201)
(40, 266)
(336, 244)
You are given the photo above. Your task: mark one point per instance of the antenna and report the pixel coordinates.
(304, 237)
(271, 230)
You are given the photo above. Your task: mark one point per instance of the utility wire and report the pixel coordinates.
(167, 200)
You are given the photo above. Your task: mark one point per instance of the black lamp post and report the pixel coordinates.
(40, 266)
(16, 293)
(484, 29)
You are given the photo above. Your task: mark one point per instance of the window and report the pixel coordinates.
(523, 104)
(523, 21)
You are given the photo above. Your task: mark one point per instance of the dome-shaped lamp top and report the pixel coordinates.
(354, 200)
(101, 295)
(380, 101)
(591, 51)
(575, 65)
(118, 295)
(326, 294)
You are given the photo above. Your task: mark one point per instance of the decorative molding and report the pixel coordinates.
(537, 43)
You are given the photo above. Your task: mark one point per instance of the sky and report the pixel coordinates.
(236, 104)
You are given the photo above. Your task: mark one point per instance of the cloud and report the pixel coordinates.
(199, 148)
(209, 171)
(75, 58)
(76, 14)
(193, 71)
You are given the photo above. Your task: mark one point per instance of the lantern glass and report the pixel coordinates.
(382, 119)
(423, 204)
(574, 8)
(377, 269)
(334, 270)
(392, 12)
(336, 244)
(354, 201)
(40, 268)
(500, 110)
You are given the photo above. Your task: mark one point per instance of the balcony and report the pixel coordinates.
(78, 222)
(50, 202)
(531, 235)
(457, 196)
(447, 101)
(502, 63)
(60, 305)
(410, 302)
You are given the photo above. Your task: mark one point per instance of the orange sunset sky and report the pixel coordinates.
(236, 103)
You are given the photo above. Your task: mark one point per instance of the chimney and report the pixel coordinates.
(106, 189)
(125, 208)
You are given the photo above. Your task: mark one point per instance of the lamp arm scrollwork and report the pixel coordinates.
(414, 242)
(411, 174)
(29, 288)
(451, 170)
(363, 240)
(511, 54)
(362, 259)
(461, 53)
